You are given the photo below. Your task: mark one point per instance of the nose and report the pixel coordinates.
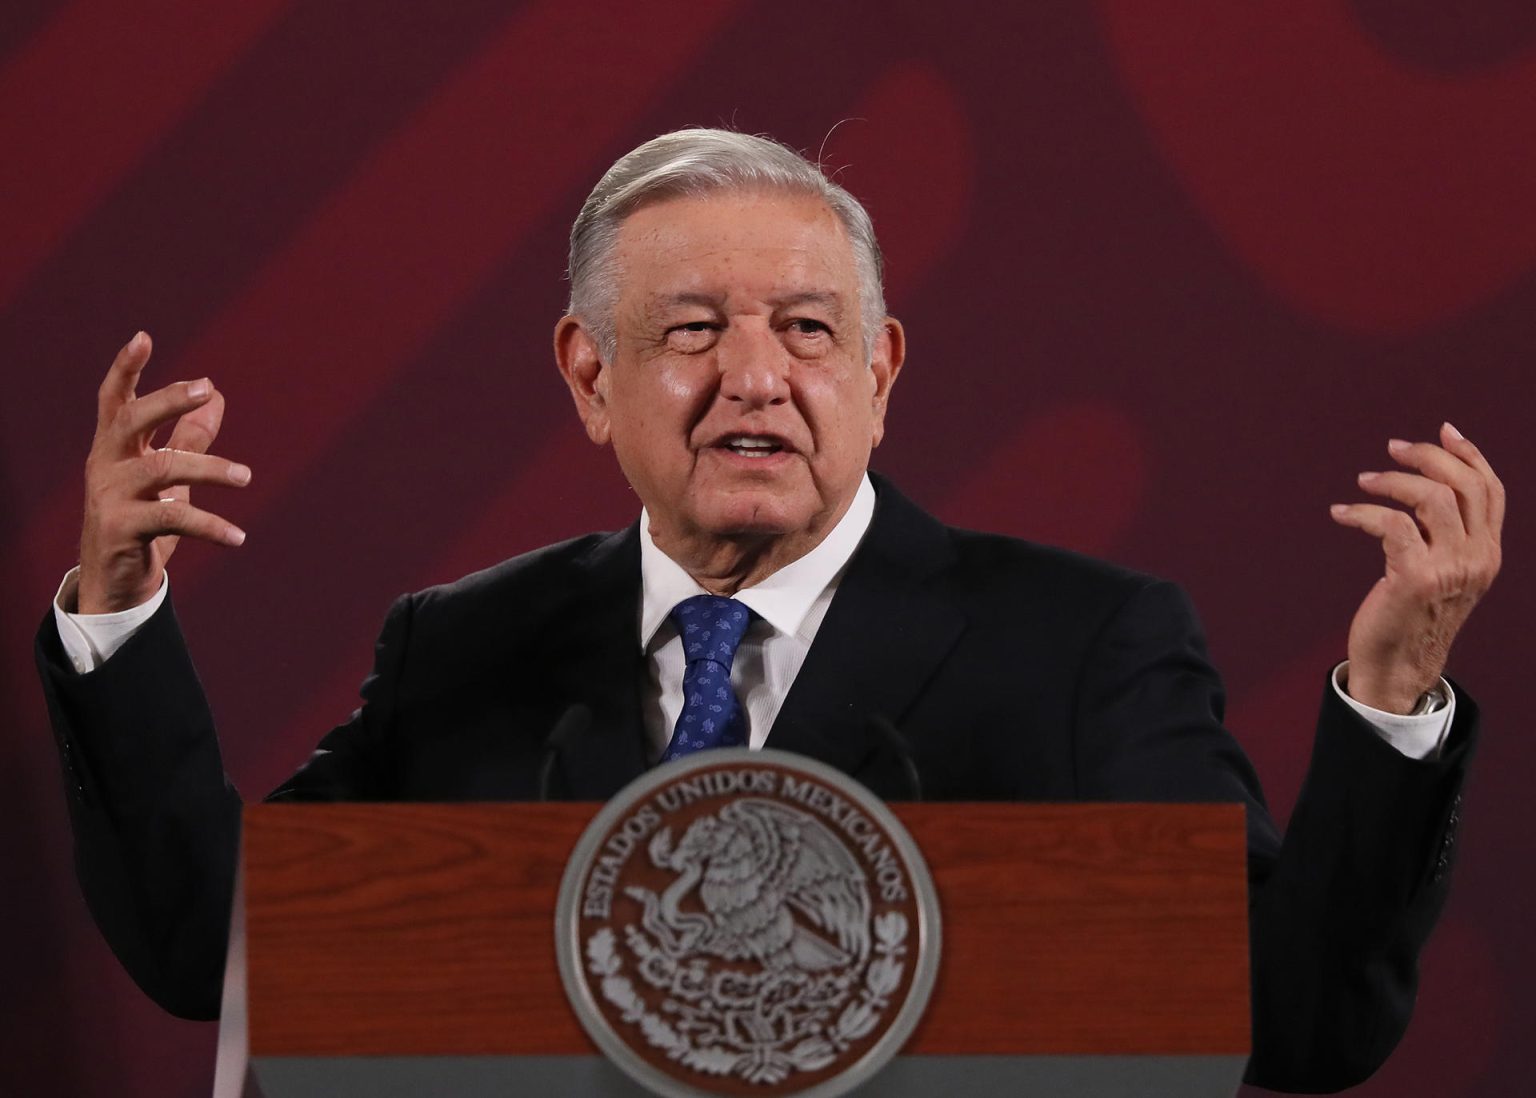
(753, 367)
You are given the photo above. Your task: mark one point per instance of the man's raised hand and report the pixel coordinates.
(136, 496)
(1441, 555)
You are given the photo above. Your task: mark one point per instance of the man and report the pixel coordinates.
(727, 337)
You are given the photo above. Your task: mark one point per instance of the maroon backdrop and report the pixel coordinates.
(1172, 275)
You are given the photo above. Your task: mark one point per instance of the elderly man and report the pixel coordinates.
(727, 336)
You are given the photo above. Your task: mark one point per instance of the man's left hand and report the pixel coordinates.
(1440, 558)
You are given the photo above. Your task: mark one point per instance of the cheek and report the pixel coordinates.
(840, 408)
(680, 387)
(656, 406)
(671, 387)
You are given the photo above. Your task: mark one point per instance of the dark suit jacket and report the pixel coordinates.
(1014, 671)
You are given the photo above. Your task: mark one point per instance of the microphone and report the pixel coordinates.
(898, 745)
(573, 722)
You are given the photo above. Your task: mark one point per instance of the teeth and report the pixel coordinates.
(752, 446)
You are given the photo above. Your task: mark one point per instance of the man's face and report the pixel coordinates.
(739, 401)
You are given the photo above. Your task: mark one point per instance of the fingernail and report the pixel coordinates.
(1397, 445)
(236, 536)
(1338, 509)
(199, 389)
(1366, 478)
(1450, 428)
(240, 474)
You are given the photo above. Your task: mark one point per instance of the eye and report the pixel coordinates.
(692, 337)
(807, 337)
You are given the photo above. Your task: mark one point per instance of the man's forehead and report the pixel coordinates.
(770, 227)
(776, 298)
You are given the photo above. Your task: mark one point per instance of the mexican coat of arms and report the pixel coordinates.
(747, 922)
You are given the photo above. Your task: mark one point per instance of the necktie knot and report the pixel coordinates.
(711, 628)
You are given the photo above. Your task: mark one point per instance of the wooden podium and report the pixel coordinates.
(388, 950)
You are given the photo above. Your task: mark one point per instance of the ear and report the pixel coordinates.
(890, 352)
(585, 375)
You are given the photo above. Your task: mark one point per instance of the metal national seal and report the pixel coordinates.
(747, 922)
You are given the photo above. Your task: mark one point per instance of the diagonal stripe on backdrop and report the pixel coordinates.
(67, 142)
(187, 228)
(335, 315)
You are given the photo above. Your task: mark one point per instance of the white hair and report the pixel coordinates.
(694, 162)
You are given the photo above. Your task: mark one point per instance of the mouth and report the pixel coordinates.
(758, 447)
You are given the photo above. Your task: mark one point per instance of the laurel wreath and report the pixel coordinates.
(857, 1019)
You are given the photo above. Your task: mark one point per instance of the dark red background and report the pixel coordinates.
(1172, 275)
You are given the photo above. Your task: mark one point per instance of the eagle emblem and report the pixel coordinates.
(772, 885)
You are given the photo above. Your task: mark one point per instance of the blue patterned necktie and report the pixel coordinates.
(711, 628)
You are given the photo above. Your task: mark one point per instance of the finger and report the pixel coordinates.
(1399, 534)
(1439, 464)
(1435, 504)
(157, 518)
(163, 469)
(196, 430)
(1458, 444)
(133, 424)
(122, 376)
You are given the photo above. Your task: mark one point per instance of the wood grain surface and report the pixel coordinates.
(429, 929)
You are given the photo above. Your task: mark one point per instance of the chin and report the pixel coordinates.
(752, 513)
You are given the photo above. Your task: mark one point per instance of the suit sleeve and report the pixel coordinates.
(1340, 920)
(156, 821)
(1341, 907)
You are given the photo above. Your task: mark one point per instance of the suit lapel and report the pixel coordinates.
(887, 631)
(603, 617)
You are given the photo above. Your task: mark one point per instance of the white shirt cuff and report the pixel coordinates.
(90, 639)
(1417, 735)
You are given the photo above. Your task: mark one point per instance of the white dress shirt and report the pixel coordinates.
(790, 606)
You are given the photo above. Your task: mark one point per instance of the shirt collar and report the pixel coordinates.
(782, 600)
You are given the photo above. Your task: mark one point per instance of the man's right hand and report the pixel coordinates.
(136, 496)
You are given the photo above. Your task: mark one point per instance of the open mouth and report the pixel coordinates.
(752, 446)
